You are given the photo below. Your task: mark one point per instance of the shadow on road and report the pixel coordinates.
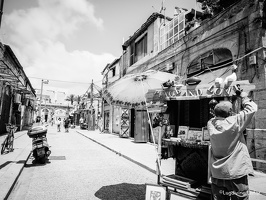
(122, 191)
(5, 164)
(34, 163)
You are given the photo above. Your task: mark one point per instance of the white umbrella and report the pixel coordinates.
(131, 89)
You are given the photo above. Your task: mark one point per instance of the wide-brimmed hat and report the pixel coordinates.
(223, 109)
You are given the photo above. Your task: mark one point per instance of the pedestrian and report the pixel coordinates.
(100, 124)
(230, 162)
(81, 121)
(58, 123)
(66, 124)
(52, 121)
(38, 119)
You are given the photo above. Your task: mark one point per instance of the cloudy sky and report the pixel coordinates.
(69, 42)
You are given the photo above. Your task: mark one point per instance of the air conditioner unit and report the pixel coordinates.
(252, 60)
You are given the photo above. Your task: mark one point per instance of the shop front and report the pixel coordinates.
(188, 111)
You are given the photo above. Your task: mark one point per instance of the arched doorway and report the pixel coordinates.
(60, 113)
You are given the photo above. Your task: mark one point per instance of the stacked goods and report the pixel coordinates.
(180, 181)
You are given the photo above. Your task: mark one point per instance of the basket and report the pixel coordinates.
(10, 127)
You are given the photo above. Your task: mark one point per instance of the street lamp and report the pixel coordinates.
(43, 82)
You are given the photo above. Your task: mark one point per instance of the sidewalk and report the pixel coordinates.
(143, 154)
(11, 164)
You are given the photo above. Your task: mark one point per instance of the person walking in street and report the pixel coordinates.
(66, 124)
(230, 162)
(52, 121)
(58, 124)
(81, 121)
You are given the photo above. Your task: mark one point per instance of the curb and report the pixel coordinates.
(120, 154)
(15, 181)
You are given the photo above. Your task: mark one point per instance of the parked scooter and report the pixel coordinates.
(40, 147)
(83, 125)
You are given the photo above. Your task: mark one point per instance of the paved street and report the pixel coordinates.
(81, 169)
(82, 163)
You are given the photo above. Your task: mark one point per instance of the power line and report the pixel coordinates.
(63, 80)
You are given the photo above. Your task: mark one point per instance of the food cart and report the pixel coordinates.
(189, 112)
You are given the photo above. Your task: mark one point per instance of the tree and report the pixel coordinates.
(78, 98)
(213, 7)
(71, 98)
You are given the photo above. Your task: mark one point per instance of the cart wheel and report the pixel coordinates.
(11, 143)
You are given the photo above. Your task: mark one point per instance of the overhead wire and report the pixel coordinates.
(56, 80)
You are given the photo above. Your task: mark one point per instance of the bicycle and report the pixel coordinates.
(9, 140)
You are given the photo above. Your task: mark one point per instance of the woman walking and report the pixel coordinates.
(58, 123)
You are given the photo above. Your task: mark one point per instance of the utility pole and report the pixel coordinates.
(91, 118)
(43, 82)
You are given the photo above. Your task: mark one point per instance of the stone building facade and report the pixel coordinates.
(233, 36)
(17, 96)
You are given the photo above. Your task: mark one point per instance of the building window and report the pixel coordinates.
(138, 50)
(173, 31)
(113, 72)
(214, 59)
(132, 51)
(141, 48)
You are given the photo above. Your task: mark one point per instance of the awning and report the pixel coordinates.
(12, 73)
(193, 92)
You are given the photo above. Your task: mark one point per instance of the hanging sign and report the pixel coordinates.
(197, 91)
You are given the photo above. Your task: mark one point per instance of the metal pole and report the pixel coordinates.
(159, 156)
(158, 150)
(91, 115)
(40, 99)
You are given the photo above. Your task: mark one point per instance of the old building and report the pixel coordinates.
(17, 97)
(111, 113)
(52, 104)
(206, 50)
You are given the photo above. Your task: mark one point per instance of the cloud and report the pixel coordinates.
(36, 33)
(52, 19)
(57, 63)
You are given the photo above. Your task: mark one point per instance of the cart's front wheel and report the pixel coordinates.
(11, 143)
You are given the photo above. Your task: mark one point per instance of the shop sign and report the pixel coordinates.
(197, 91)
(157, 109)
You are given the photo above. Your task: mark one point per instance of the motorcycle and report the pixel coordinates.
(83, 125)
(40, 147)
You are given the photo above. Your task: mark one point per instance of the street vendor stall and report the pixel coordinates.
(189, 111)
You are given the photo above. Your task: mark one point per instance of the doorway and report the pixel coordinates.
(141, 126)
(132, 122)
